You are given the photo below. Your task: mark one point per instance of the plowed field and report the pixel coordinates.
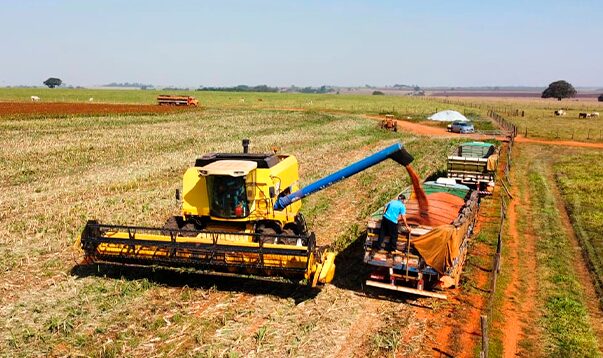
(62, 109)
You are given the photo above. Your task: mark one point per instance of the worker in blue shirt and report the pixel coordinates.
(393, 212)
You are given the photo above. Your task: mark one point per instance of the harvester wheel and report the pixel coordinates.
(270, 233)
(177, 223)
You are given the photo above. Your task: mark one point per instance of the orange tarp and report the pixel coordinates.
(439, 247)
(443, 209)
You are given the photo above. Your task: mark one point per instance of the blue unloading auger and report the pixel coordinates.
(395, 152)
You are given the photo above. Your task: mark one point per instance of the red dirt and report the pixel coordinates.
(417, 128)
(518, 313)
(565, 143)
(431, 131)
(468, 327)
(512, 326)
(422, 129)
(64, 108)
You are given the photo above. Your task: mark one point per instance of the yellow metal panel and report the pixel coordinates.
(194, 194)
(283, 177)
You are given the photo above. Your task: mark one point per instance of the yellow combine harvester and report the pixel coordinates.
(240, 214)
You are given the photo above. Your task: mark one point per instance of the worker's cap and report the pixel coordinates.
(401, 197)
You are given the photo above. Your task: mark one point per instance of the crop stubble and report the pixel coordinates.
(124, 170)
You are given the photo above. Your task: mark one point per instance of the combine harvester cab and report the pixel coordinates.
(474, 164)
(431, 256)
(240, 215)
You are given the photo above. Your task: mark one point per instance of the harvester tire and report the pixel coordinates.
(270, 235)
(177, 223)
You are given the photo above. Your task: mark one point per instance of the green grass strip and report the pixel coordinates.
(565, 320)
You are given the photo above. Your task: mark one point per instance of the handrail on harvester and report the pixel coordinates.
(395, 152)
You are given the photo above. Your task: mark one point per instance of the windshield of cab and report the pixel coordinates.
(227, 196)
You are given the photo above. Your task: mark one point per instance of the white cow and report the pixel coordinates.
(594, 114)
(90, 99)
(560, 112)
(35, 98)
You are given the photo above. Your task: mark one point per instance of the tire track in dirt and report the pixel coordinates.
(518, 313)
(365, 324)
(466, 333)
(595, 312)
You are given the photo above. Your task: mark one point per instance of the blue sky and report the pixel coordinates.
(310, 43)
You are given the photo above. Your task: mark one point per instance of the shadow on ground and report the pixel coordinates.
(200, 280)
(351, 274)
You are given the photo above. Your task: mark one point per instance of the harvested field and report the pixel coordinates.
(63, 109)
(60, 169)
(123, 170)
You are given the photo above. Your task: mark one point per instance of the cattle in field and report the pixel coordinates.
(584, 115)
(594, 114)
(560, 112)
(91, 99)
(35, 98)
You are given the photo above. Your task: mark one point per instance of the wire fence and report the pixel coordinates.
(569, 133)
(505, 182)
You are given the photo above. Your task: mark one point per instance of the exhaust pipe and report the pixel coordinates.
(246, 146)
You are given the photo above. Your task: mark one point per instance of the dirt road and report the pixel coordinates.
(422, 129)
(561, 143)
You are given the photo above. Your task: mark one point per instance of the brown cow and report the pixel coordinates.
(583, 115)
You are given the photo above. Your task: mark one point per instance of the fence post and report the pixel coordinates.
(484, 323)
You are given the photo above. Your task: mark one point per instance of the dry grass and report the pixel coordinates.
(539, 119)
(57, 173)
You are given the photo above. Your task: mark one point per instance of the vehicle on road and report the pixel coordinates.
(461, 127)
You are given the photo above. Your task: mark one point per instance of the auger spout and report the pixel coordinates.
(396, 152)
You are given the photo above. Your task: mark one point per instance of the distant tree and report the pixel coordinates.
(601, 98)
(559, 89)
(378, 93)
(53, 82)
